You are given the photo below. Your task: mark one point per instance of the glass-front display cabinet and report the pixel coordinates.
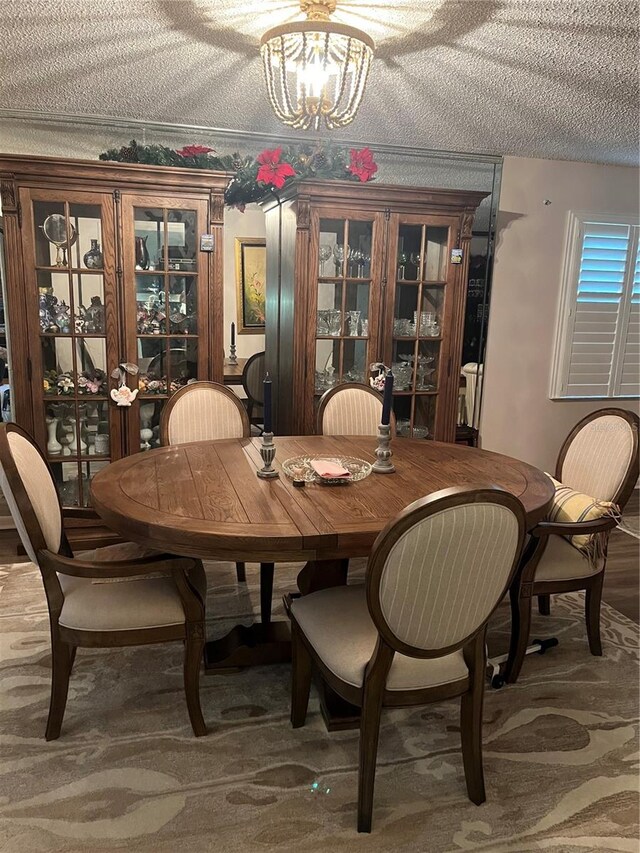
(361, 274)
(101, 277)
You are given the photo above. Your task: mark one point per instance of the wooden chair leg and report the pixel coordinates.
(544, 605)
(471, 723)
(300, 677)
(241, 573)
(593, 598)
(520, 627)
(193, 652)
(62, 656)
(369, 734)
(266, 591)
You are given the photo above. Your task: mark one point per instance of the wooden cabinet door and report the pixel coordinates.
(345, 293)
(73, 338)
(423, 323)
(170, 318)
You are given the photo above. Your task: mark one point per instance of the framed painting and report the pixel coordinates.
(251, 275)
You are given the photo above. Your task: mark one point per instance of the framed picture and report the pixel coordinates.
(251, 275)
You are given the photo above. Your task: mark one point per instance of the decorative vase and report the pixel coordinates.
(93, 258)
(142, 253)
(54, 448)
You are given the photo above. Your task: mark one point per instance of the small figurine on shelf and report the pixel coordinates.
(378, 373)
(94, 316)
(123, 395)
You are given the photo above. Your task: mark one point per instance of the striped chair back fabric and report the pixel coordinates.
(352, 411)
(598, 458)
(444, 576)
(204, 412)
(41, 492)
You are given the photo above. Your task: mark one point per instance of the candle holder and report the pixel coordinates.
(232, 354)
(383, 464)
(268, 452)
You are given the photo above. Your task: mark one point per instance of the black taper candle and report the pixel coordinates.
(387, 400)
(267, 403)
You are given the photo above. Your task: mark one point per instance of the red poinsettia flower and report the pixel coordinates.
(362, 164)
(194, 150)
(271, 170)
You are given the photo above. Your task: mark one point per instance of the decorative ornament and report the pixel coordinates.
(123, 395)
(316, 70)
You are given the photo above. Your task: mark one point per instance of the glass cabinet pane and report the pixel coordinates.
(343, 308)
(417, 323)
(166, 254)
(71, 305)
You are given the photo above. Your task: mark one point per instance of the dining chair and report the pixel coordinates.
(202, 411)
(599, 458)
(115, 596)
(252, 382)
(351, 409)
(414, 633)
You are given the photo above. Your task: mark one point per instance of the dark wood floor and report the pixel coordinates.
(622, 579)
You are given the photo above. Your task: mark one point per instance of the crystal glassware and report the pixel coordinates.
(414, 260)
(354, 322)
(364, 328)
(324, 253)
(340, 254)
(322, 322)
(334, 322)
(403, 257)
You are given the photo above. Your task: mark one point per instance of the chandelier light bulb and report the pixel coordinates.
(316, 70)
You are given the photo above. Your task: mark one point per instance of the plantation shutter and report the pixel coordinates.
(601, 334)
(630, 357)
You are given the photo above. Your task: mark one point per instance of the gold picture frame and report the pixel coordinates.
(251, 275)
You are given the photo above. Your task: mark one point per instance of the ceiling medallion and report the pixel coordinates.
(316, 69)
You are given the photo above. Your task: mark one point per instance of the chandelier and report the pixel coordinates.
(316, 69)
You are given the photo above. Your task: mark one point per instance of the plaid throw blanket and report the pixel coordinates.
(570, 506)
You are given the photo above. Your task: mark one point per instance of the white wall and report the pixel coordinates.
(236, 224)
(518, 418)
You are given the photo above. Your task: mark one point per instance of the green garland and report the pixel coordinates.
(284, 164)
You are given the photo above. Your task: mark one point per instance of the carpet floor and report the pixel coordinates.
(560, 749)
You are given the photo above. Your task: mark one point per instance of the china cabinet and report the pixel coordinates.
(105, 267)
(366, 273)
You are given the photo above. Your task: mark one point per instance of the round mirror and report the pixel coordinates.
(61, 234)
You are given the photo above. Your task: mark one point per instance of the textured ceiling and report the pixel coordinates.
(541, 78)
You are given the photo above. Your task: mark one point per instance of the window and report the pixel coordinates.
(597, 351)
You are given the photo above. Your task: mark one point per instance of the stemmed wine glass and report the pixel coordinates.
(403, 257)
(414, 259)
(340, 253)
(324, 254)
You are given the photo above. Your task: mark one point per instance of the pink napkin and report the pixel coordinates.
(329, 470)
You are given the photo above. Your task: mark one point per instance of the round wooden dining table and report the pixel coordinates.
(205, 500)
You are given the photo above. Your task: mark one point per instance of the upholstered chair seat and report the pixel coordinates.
(414, 632)
(562, 561)
(125, 604)
(337, 623)
(598, 464)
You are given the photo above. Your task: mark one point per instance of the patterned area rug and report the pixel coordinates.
(561, 749)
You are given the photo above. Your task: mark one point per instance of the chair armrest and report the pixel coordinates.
(581, 528)
(113, 568)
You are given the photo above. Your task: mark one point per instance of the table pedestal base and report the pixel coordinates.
(249, 645)
(269, 642)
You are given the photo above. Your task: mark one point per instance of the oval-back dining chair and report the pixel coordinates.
(414, 633)
(89, 599)
(204, 411)
(351, 409)
(252, 382)
(599, 459)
